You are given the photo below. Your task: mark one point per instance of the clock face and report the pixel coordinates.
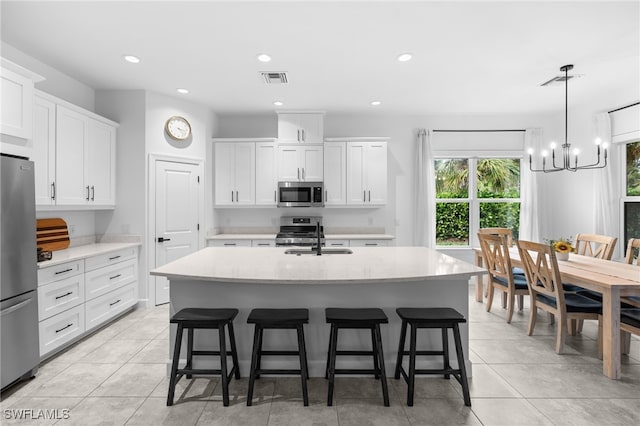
(178, 128)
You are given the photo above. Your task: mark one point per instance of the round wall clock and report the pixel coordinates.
(178, 128)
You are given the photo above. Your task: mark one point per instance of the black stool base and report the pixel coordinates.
(191, 319)
(289, 319)
(365, 318)
(444, 319)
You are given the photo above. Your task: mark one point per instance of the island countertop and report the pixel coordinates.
(272, 265)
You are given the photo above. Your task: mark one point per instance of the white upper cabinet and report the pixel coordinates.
(74, 155)
(16, 95)
(44, 150)
(72, 134)
(101, 163)
(234, 173)
(300, 163)
(266, 174)
(299, 127)
(367, 173)
(335, 173)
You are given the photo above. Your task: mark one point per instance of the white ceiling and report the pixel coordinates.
(469, 57)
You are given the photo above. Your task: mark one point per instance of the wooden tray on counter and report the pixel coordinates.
(52, 234)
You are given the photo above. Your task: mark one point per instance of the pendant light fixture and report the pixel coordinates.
(569, 160)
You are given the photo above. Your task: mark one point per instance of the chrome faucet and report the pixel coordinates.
(319, 253)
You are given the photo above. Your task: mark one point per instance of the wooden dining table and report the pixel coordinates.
(611, 279)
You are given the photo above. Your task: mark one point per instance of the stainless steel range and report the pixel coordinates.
(301, 231)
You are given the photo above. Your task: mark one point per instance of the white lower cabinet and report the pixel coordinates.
(60, 329)
(230, 243)
(107, 306)
(76, 297)
(369, 243)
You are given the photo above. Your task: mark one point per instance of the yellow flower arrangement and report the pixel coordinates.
(561, 245)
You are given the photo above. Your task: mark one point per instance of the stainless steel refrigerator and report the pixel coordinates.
(19, 350)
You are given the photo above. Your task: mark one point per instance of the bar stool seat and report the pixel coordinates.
(356, 318)
(265, 319)
(191, 319)
(445, 319)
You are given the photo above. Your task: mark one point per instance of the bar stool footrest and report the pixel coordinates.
(355, 371)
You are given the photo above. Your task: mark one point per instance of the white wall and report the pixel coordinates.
(56, 83)
(397, 217)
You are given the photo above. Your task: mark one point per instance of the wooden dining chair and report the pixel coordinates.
(495, 251)
(499, 231)
(634, 243)
(593, 245)
(545, 286)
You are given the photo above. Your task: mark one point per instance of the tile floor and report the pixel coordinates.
(117, 377)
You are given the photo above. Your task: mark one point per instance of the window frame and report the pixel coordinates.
(473, 200)
(624, 198)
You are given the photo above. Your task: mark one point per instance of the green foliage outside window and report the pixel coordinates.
(496, 178)
(633, 169)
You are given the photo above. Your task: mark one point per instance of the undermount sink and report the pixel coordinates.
(314, 251)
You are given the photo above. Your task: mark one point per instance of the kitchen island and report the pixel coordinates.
(384, 277)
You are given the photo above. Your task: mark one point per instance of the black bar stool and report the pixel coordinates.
(192, 318)
(264, 319)
(444, 319)
(358, 318)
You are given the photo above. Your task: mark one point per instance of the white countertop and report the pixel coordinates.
(271, 265)
(327, 237)
(82, 252)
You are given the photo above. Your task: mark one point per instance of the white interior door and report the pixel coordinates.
(176, 209)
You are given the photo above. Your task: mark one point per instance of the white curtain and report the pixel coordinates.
(529, 205)
(425, 211)
(607, 197)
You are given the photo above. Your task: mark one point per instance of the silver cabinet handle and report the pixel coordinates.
(371, 244)
(325, 196)
(53, 190)
(274, 197)
(303, 138)
(369, 196)
(64, 328)
(118, 256)
(298, 173)
(229, 244)
(364, 196)
(63, 271)
(232, 196)
(298, 135)
(303, 173)
(93, 193)
(64, 295)
(115, 276)
(117, 301)
(237, 199)
(87, 192)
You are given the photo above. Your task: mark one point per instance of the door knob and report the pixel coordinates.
(162, 240)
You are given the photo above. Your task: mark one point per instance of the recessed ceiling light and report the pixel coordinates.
(278, 103)
(131, 58)
(183, 91)
(376, 103)
(263, 57)
(404, 57)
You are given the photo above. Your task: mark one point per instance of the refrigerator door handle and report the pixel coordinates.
(16, 307)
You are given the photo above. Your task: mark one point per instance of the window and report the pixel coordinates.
(473, 194)
(631, 209)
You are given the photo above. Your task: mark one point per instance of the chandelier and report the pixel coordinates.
(569, 160)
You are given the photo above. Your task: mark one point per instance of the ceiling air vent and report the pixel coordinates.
(272, 77)
(559, 80)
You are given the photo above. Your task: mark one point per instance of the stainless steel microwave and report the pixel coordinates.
(300, 194)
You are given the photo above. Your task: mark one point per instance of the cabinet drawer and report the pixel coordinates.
(337, 243)
(59, 272)
(103, 280)
(369, 243)
(59, 296)
(109, 305)
(263, 243)
(110, 258)
(60, 329)
(231, 243)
